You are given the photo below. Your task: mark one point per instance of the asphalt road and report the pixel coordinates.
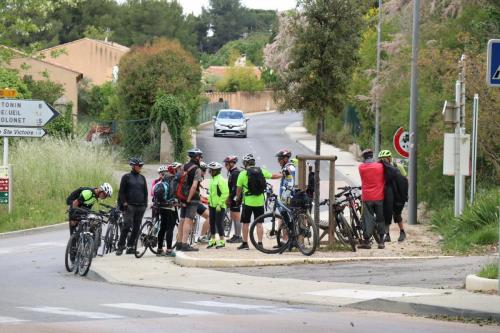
(38, 295)
(266, 136)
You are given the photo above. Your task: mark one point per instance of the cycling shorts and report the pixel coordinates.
(234, 206)
(190, 210)
(247, 211)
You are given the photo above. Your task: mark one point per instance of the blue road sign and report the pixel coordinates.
(493, 72)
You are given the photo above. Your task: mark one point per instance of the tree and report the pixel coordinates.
(315, 76)
(162, 66)
(21, 18)
(225, 19)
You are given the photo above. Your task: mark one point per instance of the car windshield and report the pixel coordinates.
(230, 115)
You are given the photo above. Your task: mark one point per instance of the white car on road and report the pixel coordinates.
(230, 122)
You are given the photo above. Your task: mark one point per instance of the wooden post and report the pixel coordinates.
(302, 174)
(332, 223)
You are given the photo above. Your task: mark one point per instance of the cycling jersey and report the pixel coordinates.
(218, 192)
(287, 177)
(87, 198)
(251, 200)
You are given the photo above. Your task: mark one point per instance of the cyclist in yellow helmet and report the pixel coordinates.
(395, 193)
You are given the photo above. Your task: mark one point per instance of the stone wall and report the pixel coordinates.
(245, 101)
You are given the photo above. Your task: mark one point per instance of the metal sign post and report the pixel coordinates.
(475, 116)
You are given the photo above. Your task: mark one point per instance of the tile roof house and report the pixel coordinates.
(94, 58)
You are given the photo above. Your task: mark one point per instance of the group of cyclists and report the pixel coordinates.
(177, 199)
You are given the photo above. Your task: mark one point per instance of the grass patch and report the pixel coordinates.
(45, 172)
(489, 271)
(475, 230)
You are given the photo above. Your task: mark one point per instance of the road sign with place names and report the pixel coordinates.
(493, 72)
(25, 113)
(8, 93)
(24, 132)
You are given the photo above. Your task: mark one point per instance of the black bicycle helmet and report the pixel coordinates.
(136, 161)
(367, 154)
(284, 153)
(193, 152)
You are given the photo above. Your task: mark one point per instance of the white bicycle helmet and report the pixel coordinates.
(203, 166)
(162, 168)
(175, 165)
(248, 157)
(215, 166)
(107, 188)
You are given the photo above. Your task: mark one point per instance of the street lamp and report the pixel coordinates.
(377, 99)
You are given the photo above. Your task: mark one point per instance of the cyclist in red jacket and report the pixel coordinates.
(372, 196)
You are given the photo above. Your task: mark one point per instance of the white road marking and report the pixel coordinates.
(365, 294)
(160, 309)
(71, 312)
(263, 308)
(10, 320)
(230, 305)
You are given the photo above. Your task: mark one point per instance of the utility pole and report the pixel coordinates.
(377, 81)
(412, 171)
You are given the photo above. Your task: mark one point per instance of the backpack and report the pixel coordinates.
(181, 185)
(162, 192)
(75, 194)
(256, 181)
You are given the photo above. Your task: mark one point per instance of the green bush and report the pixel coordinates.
(477, 226)
(240, 79)
(45, 172)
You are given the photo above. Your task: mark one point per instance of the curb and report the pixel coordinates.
(476, 283)
(394, 306)
(33, 231)
(184, 260)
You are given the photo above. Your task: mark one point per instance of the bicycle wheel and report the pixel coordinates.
(143, 240)
(70, 255)
(344, 232)
(110, 239)
(153, 239)
(272, 227)
(87, 253)
(227, 225)
(307, 238)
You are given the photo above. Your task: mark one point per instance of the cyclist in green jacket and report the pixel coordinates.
(218, 194)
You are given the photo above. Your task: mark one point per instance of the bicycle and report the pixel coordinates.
(294, 229)
(115, 221)
(148, 235)
(83, 243)
(353, 198)
(343, 230)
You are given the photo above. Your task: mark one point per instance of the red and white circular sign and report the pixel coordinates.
(401, 142)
